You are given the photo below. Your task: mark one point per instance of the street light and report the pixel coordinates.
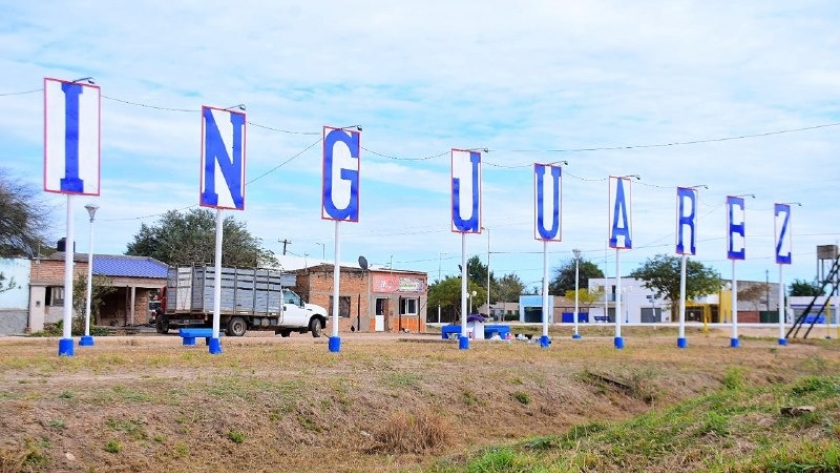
(323, 250)
(576, 252)
(440, 256)
(472, 296)
(87, 340)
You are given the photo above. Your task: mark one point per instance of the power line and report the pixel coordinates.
(25, 92)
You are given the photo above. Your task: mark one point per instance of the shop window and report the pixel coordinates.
(343, 306)
(55, 297)
(408, 307)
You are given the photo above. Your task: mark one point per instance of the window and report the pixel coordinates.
(55, 297)
(408, 307)
(291, 298)
(343, 306)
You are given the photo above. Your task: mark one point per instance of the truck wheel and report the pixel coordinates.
(315, 327)
(236, 327)
(285, 333)
(162, 323)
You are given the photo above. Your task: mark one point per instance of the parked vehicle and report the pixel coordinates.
(251, 299)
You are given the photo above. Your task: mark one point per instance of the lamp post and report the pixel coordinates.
(472, 296)
(87, 340)
(323, 250)
(488, 270)
(576, 252)
(440, 256)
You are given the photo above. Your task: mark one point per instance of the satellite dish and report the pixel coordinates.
(363, 263)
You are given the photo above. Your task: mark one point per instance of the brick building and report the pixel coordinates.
(370, 300)
(136, 280)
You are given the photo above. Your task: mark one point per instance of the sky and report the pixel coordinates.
(741, 97)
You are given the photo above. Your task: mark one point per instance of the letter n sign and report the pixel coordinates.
(686, 221)
(71, 137)
(619, 213)
(340, 182)
(736, 241)
(784, 245)
(222, 159)
(548, 202)
(466, 191)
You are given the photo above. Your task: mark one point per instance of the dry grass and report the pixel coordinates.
(272, 404)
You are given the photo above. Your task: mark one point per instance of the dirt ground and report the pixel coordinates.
(386, 402)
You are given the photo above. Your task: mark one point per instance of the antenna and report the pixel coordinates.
(363, 263)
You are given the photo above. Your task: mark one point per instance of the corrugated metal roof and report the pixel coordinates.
(128, 266)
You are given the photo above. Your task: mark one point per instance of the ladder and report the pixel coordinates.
(813, 310)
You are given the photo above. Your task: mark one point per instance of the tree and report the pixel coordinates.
(190, 238)
(754, 293)
(5, 286)
(510, 287)
(801, 287)
(448, 294)
(586, 297)
(564, 276)
(662, 275)
(101, 286)
(24, 218)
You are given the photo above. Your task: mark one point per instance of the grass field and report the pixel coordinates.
(414, 403)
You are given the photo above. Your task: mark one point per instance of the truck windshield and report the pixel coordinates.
(292, 298)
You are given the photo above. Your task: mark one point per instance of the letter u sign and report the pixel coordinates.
(340, 183)
(466, 191)
(548, 199)
(71, 137)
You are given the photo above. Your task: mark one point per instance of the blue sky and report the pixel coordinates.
(522, 79)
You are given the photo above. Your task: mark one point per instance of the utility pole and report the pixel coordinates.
(284, 242)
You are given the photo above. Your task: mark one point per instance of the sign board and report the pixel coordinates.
(784, 244)
(736, 241)
(548, 202)
(71, 137)
(686, 221)
(340, 181)
(466, 191)
(222, 158)
(621, 235)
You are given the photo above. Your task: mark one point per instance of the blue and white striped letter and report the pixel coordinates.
(466, 190)
(340, 185)
(553, 186)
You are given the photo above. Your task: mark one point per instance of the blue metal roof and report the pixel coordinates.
(128, 266)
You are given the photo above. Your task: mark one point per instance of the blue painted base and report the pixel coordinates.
(619, 343)
(86, 341)
(545, 342)
(65, 347)
(576, 336)
(335, 344)
(783, 341)
(682, 342)
(215, 346)
(734, 343)
(463, 343)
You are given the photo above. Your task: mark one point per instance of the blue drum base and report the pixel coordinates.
(783, 341)
(576, 336)
(619, 343)
(335, 344)
(682, 342)
(734, 343)
(86, 341)
(463, 343)
(215, 346)
(545, 342)
(65, 347)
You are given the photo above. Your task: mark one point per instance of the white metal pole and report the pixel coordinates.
(681, 341)
(488, 271)
(217, 276)
(336, 281)
(606, 285)
(544, 341)
(65, 345)
(440, 255)
(619, 342)
(463, 342)
(577, 293)
(782, 339)
(734, 342)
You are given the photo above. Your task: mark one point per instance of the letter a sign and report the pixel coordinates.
(619, 214)
(340, 182)
(71, 137)
(466, 191)
(548, 199)
(222, 159)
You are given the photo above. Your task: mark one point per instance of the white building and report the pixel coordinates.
(638, 304)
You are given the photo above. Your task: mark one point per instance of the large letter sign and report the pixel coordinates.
(466, 191)
(619, 213)
(340, 183)
(548, 188)
(686, 220)
(222, 158)
(71, 132)
(784, 245)
(735, 228)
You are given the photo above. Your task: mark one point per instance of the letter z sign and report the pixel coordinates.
(340, 182)
(71, 137)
